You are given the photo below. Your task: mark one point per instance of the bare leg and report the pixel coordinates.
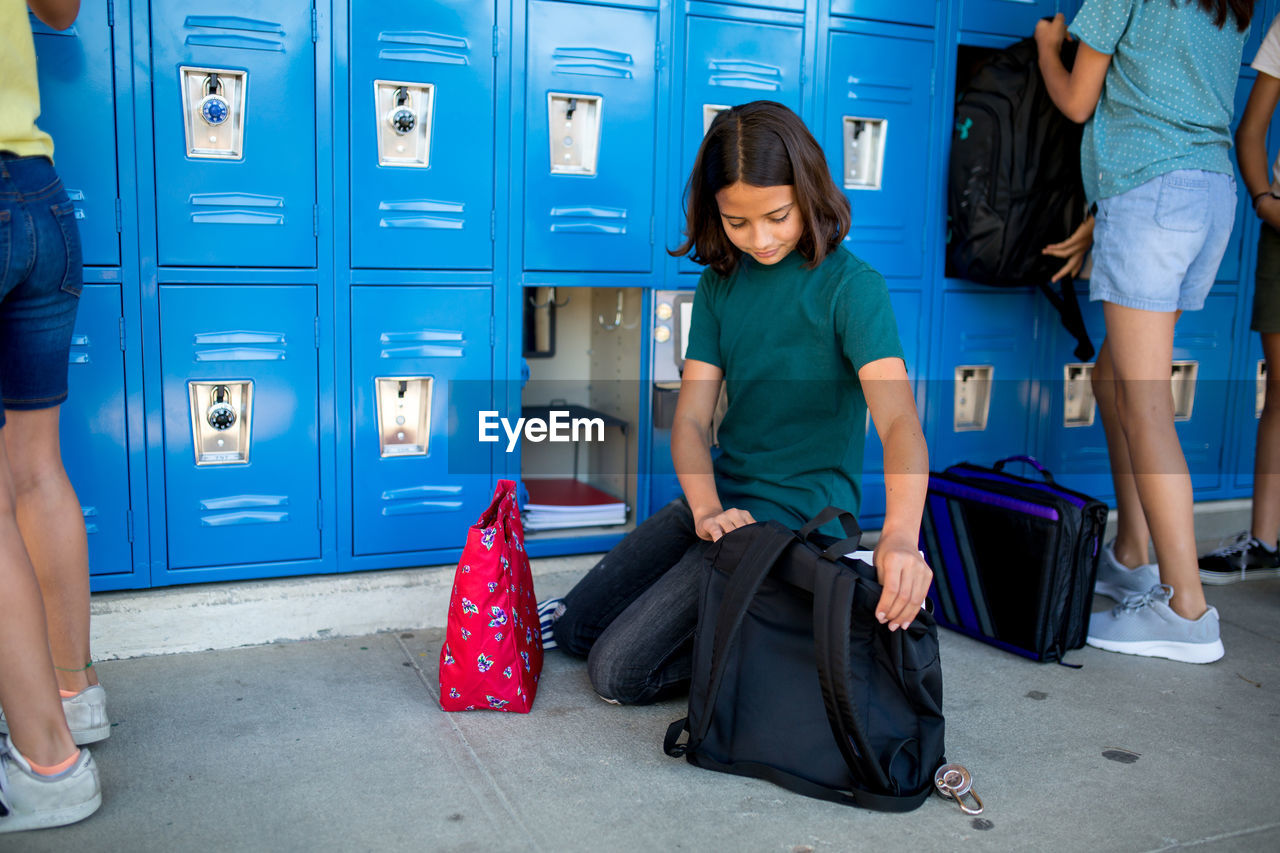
(1266, 465)
(1141, 348)
(28, 691)
(52, 526)
(1132, 535)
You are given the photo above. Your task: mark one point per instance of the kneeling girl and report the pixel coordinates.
(803, 336)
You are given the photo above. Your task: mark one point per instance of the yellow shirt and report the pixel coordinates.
(19, 90)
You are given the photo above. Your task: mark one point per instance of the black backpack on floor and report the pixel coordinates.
(1014, 182)
(794, 680)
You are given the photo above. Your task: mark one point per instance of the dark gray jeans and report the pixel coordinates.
(634, 614)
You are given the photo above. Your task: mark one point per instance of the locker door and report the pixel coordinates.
(422, 372)
(1202, 355)
(77, 98)
(590, 109)
(422, 118)
(729, 63)
(241, 429)
(1075, 445)
(94, 433)
(983, 388)
(235, 139)
(1006, 17)
(1244, 228)
(920, 12)
(876, 135)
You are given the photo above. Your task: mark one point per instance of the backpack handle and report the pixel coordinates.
(1044, 472)
(847, 521)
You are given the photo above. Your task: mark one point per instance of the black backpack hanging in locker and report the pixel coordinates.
(1014, 182)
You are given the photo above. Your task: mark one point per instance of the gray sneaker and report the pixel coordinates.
(1117, 581)
(86, 716)
(29, 800)
(1146, 625)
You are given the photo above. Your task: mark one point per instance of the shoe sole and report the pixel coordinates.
(84, 737)
(47, 819)
(1181, 652)
(1220, 578)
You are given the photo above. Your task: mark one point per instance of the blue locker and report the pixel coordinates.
(419, 492)
(1205, 339)
(1243, 423)
(240, 191)
(908, 307)
(77, 98)
(1074, 445)
(589, 171)
(983, 391)
(422, 189)
(93, 430)
(877, 134)
(1007, 17)
(255, 497)
(921, 12)
(729, 62)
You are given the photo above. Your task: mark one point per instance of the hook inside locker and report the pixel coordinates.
(213, 104)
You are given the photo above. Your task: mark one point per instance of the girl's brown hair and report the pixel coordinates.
(1241, 9)
(762, 144)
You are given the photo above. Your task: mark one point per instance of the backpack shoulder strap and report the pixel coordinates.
(772, 540)
(833, 599)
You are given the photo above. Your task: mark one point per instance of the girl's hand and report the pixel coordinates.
(1074, 248)
(713, 525)
(905, 577)
(1268, 210)
(1050, 34)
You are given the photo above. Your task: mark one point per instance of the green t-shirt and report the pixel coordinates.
(790, 342)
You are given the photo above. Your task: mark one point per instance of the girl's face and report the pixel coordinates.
(762, 222)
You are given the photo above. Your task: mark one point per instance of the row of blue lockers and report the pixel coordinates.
(314, 234)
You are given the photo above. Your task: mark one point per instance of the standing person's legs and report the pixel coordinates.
(633, 565)
(52, 525)
(1132, 534)
(28, 691)
(1266, 466)
(1141, 345)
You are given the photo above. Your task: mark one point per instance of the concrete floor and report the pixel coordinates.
(339, 745)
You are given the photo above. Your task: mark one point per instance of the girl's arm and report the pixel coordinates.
(695, 407)
(1251, 147)
(58, 14)
(902, 571)
(1075, 92)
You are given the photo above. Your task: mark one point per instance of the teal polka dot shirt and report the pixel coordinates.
(1169, 93)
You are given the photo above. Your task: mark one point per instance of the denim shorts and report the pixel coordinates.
(41, 276)
(1157, 247)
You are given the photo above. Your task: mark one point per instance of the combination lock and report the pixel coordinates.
(213, 108)
(402, 117)
(220, 415)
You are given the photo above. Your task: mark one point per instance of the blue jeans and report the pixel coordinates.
(634, 614)
(41, 276)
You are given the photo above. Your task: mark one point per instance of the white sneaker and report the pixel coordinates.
(29, 800)
(86, 716)
(1146, 625)
(1117, 581)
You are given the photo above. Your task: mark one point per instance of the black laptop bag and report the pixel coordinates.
(1014, 558)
